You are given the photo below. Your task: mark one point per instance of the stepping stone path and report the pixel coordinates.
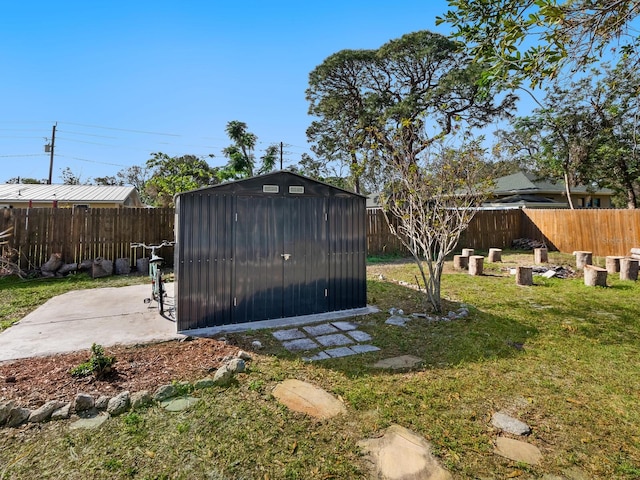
(339, 339)
(518, 451)
(90, 422)
(402, 455)
(306, 398)
(399, 363)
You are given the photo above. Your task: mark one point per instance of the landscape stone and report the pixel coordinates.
(291, 334)
(397, 321)
(324, 329)
(17, 416)
(257, 344)
(364, 348)
(44, 412)
(119, 404)
(509, 424)
(398, 363)
(102, 402)
(402, 455)
(223, 376)
(301, 344)
(244, 356)
(236, 365)
(122, 266)
(518, 451)
(5, 408)
(140, 399)
(303, 397)
(359, 336)
(340, 352)
(344, 326)
(206, 382)
(91, 422)
(83, 402)
(334, 340)
(179, 404)
(164, 392)
(62, 413)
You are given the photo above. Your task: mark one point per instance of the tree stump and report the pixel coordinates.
(460, 262)
(476, 262)
(524, 276)
(595, 276)
(613, 263)
(583, 258)
(467, 252)
(495, 255)
(540, 255)
(629, 269)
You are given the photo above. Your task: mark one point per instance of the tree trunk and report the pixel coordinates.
(567, 189)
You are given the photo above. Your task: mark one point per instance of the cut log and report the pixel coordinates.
(613, 263)
(101, 268)
(50, 268)
(122, 266)
(67, 268)
(142, 265)
(467, 252)
(85, 265)
(540, 255)
(460, 262)
(476, 263)
(629, 269)
(595, 276)
(495, 255)
(524, 276)
(635, 251)
(583, 258)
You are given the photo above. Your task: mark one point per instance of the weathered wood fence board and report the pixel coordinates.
(601, 231)
(79, 235)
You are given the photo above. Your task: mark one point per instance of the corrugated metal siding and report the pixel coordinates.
(244, 255)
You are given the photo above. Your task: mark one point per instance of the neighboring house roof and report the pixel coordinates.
(69, 193)
(525, 183)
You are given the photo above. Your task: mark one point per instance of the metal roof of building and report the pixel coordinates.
(65, 193)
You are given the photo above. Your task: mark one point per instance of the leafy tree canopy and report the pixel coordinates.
(531, 40)
(241, 154)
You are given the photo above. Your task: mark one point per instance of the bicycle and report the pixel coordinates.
(155, 272)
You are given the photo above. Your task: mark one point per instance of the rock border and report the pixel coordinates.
(84, 405)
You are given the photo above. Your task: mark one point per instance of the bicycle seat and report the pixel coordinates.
(156, 259)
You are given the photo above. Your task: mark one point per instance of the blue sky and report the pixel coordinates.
(123, 79)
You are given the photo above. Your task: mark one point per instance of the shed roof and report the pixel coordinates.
(65, 193)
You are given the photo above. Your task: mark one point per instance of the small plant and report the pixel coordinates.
(99, 364)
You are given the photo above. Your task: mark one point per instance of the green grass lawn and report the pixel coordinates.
(560, 356)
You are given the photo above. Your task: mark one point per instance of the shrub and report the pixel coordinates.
(98, 365)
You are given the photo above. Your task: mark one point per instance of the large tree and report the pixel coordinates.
(390, 104)
(172, 175)
(535, 39)
(393, 105)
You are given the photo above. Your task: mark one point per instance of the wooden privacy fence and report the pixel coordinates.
(85, 234)
(79, 235)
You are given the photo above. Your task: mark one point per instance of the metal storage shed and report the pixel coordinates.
(269, 247)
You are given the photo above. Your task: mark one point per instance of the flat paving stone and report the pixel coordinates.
(344, 326)
(307, 398)
(398, 363)
(402, 455)
(397, 321)
(324, 329)
(334, 340)
(91, 422)
(364, 348)
(316, 357)
(291, 334)
(179, 404)
(518, 451)
(340, 352)
(301, 344)
(359, 336)
(509, 424)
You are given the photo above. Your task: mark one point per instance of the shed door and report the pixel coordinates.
(281, 257)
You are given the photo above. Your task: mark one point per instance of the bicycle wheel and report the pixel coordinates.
(160, 291)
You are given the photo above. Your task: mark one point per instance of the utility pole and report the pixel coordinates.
(53, 144)
(281, 145)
